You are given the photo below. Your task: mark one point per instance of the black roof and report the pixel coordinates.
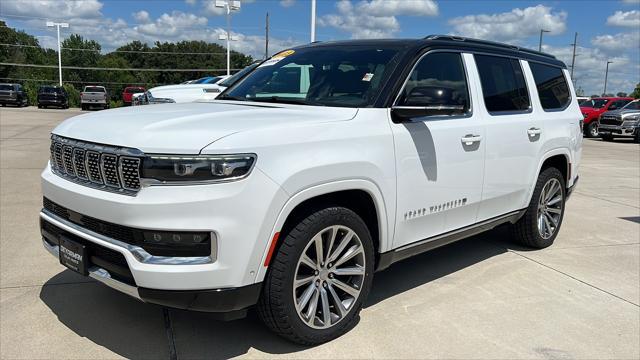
(450, 41)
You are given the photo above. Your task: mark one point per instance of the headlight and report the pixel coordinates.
(632, 118)
(171, 169)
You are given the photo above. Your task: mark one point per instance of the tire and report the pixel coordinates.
(607, 137)
(84, 107)
(39, 106)
(591, 130)
(277, 306)
(637, 137)
(527, 230)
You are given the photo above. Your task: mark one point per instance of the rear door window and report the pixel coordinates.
(552, 86)
(503, 84)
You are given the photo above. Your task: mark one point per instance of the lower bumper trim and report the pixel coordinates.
(216, 300)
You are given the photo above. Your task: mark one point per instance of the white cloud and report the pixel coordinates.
(142, 16)
(287, 3)
(590, 65)
(190, 2)
(631, 1)
(54, 9)
(620, 41)
(625, 18)
(171, 25)
(511, 26)
(375, 18)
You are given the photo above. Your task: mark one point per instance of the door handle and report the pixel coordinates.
(469, 139)
(534, 131)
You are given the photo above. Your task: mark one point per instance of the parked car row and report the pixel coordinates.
(593, 108)
(622, 122)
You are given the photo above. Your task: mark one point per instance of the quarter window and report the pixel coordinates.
(552, 86)
(438, 81)
(503, 84)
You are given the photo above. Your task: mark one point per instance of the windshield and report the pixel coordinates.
(594, 103)
(233, 78)
(206, 80)
(93, 89)
(347, 76)
(133, 90)
(634, 105)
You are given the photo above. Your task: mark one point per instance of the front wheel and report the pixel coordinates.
(319, 277)
(540, 224)
(592, 130)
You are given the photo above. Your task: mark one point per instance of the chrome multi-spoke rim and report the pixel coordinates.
(329, 277)
(550, 208)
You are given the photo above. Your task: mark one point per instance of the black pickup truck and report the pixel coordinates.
(13, 94)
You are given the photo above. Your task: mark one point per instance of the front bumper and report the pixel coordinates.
(617, 130)
(229, 300)
(241, 214)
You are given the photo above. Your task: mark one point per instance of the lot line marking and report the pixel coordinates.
(173, 355)
(607, 200)
(574, 278)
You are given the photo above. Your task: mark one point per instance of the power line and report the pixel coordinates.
(113, 69)
(120, 51)
(82, 82)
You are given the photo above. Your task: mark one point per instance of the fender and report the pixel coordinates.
(351, 184)
(547, 155)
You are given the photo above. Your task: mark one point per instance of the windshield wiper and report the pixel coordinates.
(229, 97)
(284, 100)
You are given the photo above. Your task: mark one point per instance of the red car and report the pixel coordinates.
(593, 108)
(128, 92)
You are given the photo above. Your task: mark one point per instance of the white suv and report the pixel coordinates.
(326, 163)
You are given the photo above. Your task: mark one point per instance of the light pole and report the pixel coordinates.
(313, 20)
(58, 26)
(606, 75)
(542, 31)
(573, 58)
(228, 5)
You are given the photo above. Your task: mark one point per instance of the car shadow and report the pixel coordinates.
(133, 329)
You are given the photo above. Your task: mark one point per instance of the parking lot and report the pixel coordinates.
(483, 297)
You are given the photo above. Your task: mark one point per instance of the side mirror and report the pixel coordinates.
(427, 101)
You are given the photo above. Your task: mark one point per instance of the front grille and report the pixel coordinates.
(109, 168)
(610, 120)
(112, 261)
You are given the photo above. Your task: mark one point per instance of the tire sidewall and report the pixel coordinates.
(545, 176)
(335, 216)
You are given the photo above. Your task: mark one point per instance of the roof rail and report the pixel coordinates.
(488, 43)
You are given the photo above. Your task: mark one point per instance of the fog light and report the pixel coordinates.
(172, 243)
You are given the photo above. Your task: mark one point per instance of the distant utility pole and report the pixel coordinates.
(266, 38)
(540, 43)
(313, 20)
(228, 5)
(58, 26)
(606, 75)
(573, 59)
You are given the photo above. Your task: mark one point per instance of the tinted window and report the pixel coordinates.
(503, 83)
(349, 76)
(594, 103)
(618, 104)
(133, 90)
(552, 86)
(635, 105)
(439, 79)
(93, 89)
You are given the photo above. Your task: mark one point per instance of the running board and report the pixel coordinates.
(420, 246)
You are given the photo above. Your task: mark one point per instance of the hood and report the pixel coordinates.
(188, 128)
(621, 112)
(187, 92)
(182, 87)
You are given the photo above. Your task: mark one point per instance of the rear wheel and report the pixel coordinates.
(592, 130)
(541, 222)
(319, 277)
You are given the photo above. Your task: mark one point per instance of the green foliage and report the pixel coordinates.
(636, 92)
(80, 52)
(116, 103)
(74, 95)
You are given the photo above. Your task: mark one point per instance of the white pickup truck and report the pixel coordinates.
(94, 96)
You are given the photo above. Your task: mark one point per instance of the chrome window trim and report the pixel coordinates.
(137, 252)
(468, 113)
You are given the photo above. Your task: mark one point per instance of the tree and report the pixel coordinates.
(594, 96)
(636, 92)
(580, 91)
(621, 94)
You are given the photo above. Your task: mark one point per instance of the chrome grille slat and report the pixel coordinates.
(108, 168)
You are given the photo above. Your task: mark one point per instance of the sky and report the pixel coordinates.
(608, 30)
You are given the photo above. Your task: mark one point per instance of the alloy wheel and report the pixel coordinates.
(329, 277)
(550, 208)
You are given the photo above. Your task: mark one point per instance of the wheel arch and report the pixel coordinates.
(559, 158)
(355, 194)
